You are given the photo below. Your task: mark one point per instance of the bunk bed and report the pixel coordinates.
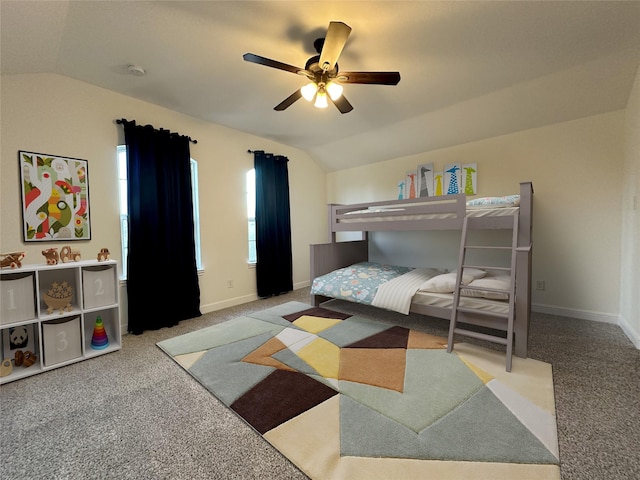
(423, 214)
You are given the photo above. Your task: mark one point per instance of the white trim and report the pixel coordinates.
(592, 316)
(572, 313)
(299, 285)
(232, 302)
(630, 332)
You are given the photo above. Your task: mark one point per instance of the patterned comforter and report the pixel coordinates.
(361, 282)
(356, 283)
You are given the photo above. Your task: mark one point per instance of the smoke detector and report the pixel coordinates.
(136, 70)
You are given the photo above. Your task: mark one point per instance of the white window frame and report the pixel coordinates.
(251, 215)
(121, 154)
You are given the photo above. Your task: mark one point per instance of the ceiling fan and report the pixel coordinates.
(323, 72)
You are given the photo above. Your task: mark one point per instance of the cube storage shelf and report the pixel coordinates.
(63, 313)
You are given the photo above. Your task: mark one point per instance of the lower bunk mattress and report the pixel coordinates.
(396, 288)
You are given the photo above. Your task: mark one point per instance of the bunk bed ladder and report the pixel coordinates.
(479, 223)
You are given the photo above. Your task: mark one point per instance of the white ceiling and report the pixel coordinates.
(470, 70)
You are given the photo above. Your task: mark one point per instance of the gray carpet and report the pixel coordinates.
(135, 414)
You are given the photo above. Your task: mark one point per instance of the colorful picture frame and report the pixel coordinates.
(22, 337)
(469, 178)
(411, 184)
(452, 185)
(55, 198)
(425, 180)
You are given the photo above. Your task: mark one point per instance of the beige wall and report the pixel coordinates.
(61, 116)
(576, 169)
(630, 291)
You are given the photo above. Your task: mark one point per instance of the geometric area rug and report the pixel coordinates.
(349, 397)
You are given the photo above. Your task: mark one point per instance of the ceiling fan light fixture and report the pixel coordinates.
(323, 73)
(321, 99)
(309, 91)
(334, 90)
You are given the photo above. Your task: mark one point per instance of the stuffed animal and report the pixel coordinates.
(51, 254)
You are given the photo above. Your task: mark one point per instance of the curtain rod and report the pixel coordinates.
(276, 157)
(122, 120)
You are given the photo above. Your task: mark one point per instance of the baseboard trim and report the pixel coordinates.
(593, 316)
(299, 285)
(573, 313)
(232, 302)
(630, 332)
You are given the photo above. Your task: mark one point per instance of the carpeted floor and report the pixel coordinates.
(136, 414)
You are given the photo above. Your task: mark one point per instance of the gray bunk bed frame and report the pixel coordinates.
(327, 257)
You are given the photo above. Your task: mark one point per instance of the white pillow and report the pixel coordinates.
(500, 281)
(446, 283)
(474, 272)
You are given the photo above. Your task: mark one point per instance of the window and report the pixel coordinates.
(124, 208)
(251, 214)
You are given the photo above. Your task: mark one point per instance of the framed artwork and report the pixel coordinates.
(425, 180)
(438, 178)
(22, 338)
(55, 198)
(411, 182)
(469, 178)
(452, 179)
(401, 194)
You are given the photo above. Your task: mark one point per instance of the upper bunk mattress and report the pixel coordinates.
(476, 212)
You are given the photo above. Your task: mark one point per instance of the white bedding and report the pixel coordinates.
(399, 293)
(396, 294)
(445, 300)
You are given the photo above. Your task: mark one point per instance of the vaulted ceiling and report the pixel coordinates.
(469, 70)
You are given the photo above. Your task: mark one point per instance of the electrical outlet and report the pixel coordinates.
(229, 283)
(539, 284)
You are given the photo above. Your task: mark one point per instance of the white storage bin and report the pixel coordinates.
(18, 296)
(61, 340)
(99, 286)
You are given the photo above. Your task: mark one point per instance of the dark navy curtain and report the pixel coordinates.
(162, 277)
(274, 266)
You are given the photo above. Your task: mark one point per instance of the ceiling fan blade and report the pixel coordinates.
(342, 103)
(378, 78)
(286, 103)
(334, 42)
(250, 57)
